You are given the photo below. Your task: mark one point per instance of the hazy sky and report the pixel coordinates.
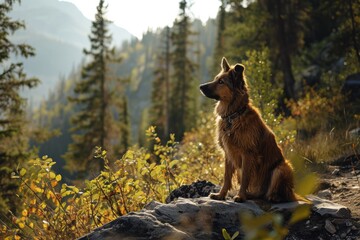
(137, 16)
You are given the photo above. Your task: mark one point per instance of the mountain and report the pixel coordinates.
(58, 31)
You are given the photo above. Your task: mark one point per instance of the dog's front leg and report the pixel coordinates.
(229, 171)
(245, 178)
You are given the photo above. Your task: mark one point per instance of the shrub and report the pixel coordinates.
(265, 95)
(52, 209)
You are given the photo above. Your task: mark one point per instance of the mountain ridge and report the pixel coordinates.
(57, 29)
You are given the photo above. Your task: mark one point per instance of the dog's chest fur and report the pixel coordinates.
(236, 138)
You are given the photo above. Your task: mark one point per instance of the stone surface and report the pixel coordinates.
(329, 209)
(204, 218)
(326, 194)
(329, 226)
(198, 218)
(194, 190)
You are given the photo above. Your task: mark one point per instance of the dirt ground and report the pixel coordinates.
(341, 183)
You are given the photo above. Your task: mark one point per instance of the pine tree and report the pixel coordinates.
(219, 47)
(161, 89)
(286, 19)
(13, 136)
(124, 131)
(94, 98)
(184, 98)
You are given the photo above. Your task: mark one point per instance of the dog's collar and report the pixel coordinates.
(229, 119)
(234, 115)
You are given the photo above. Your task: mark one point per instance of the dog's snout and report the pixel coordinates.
(207, 90)
(203, 87)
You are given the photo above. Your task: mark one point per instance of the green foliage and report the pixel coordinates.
(96, 95)
(14, 135)
(184, 93)
(266, 95)
(315, 105)
(227, 236)
(161, 88)
(199, 149)
(53, 209)
(265, 36)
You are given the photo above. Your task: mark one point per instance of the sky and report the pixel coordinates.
(137, 16)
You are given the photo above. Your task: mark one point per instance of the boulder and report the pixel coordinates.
(204, 218)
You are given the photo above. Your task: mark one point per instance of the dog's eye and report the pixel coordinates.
(221, 81)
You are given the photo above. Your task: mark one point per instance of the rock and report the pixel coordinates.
(194, 190)
(311, 75)
(324, 185)
(347, 163)
(204, 218)
(329, 227)
(326, 194)
(354, 133)
(336, 172)
(327, 208)
(351, 87)
(199, 218)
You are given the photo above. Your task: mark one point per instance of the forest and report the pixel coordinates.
(129, 124)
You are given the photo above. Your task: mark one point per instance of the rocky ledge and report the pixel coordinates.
(204, 218)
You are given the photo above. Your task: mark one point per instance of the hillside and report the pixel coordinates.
(139, 58)
(58, 31)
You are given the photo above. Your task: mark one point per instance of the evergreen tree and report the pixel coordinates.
(94, 122)
(13, 136)
(220, 39)
(124, 132)
(184, 92)
(161, 89)
(277, 24)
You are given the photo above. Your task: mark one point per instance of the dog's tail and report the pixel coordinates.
(290, 195)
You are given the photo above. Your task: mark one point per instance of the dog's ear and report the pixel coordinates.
(238, 72)
(238, 76)
(225, 65)
(239, 69)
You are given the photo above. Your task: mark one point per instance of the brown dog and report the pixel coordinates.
(248, 143)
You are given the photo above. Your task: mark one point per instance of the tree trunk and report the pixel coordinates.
(285, 59)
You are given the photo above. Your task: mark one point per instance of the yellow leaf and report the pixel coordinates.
(17, 237)
(52, 175)
(37, 189)
(45, 226)
(54, 183)
(21, 225)
(58, 178)
(22, 172)
(43, 205)
(24, 212)
(31, 225)
(300, 213)
(307, 185)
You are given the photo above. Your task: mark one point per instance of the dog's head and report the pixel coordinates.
(227, 84)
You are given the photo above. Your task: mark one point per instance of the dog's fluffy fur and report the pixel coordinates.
(248, 143)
